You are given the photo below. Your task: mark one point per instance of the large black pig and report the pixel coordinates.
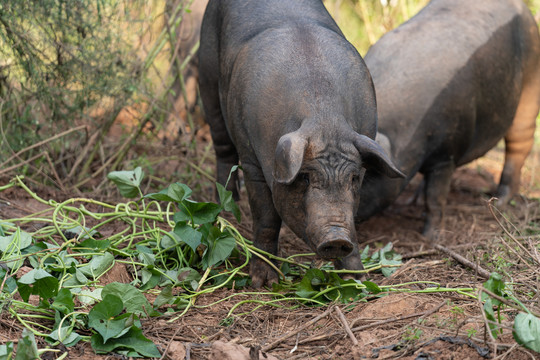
(289, 97)
(450, 83)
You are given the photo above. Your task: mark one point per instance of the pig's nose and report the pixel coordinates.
(335, 248)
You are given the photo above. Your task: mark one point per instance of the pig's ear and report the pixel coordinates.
(374, 157)
(289, 156)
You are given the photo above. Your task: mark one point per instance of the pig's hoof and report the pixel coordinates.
(431, 234)
(503, 195)
(262, 274)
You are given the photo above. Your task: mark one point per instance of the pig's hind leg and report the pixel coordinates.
(437, 187)
(226, 154)
(519, 141)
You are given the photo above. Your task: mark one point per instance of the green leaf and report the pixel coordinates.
(27, 347)
(149, 279)
(25, 291)
(198, 212)
(170, 240)
(128, 182)
(219, 247)
(6, 350)
(10, 284)
(186, 275)
(76, 279)
(145, 255)
(102, 317)
(68, 336)
(527, 331)
(11, 247)
(18, 240)
(227, 201)
(372, 287)
(188, 235)
(93, 245)
(233, 169)
(134, 300)
(365, 254)
(335, 288)
(64, 261)
(389, 257)
(176, 193)
(496, 285)
(313, 277)
(63, 302)
(344, 294)
(132, 340)
(164, 297)
(490, 315)
(89, 297)
(44, 284)
(98, 265)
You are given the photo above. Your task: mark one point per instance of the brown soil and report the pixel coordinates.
(400, 325)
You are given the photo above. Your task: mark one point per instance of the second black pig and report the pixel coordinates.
(450, 83)
(289, 97)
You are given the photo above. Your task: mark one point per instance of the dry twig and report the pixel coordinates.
(297, 330)
(519, 244)
(375, 324)
(480, 271)
(33, 146)
(346, 325)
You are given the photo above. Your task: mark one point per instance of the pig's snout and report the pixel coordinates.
(335, 244)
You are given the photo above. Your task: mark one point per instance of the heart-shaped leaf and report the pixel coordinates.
(227, 201)
(188, 235)
(128, 182)
(63, 302)
(527, 331)
(102, 317)
(198, 212)
(131, 340)
(134, 301)
(173, 193)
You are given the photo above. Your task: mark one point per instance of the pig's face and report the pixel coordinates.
(317, 185)
(318, 205)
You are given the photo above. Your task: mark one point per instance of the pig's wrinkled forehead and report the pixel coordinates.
(337, 155)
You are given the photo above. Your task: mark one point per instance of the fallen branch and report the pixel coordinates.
(346, 325)
(297, 330)
(386, 321)
(419, 254)
(375, 324)
(463, 261)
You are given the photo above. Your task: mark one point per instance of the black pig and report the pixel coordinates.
(289, 97)
(450, 83)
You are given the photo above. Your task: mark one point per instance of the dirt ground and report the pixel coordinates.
(400, 325)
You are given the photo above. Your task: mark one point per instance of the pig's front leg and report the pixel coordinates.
(266, 225)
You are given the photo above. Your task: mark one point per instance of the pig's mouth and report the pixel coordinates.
(334, 242)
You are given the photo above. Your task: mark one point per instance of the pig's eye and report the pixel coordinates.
(304, 177)
(356, 179)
